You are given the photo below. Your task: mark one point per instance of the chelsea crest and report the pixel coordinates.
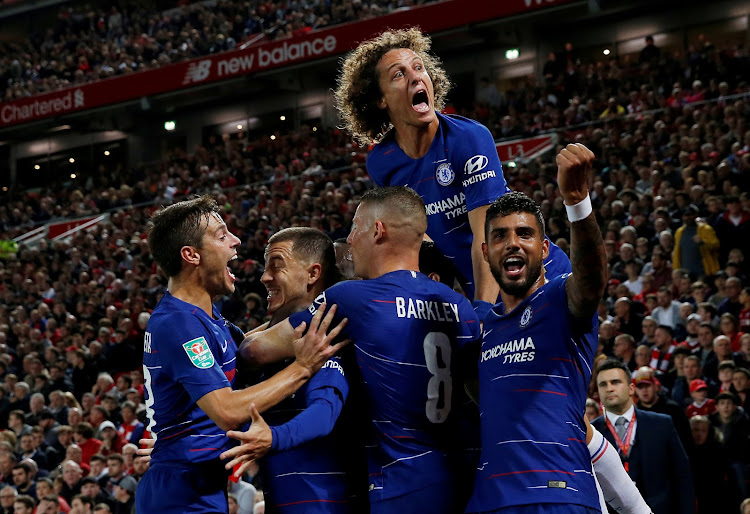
(526, 316)
(445, 174)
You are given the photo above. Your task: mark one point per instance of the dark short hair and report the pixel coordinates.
(181, 224)
(311, 246)
(614, 364)
(432, 260)
(512, 203)
(666, 328)
(744, 371)
(727, 364)
(727, 395)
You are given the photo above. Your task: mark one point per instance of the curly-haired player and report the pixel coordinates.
(390, 91)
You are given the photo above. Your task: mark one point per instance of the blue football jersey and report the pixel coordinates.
(311, 477)
(407, 332)
(460, 172)
(186, 355)
(534, 372)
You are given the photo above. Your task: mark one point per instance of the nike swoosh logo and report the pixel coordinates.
(224, 346)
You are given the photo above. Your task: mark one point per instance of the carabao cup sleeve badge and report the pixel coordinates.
(199, 353)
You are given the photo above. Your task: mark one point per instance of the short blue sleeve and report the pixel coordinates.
(191, 359)
(559, 296)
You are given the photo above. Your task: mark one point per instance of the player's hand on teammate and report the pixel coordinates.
(574, 170)
(255, 443)
(314, 348)
(144, 454)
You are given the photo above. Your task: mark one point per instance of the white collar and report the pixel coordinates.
(628, 414)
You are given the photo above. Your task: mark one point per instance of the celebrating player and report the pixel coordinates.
(308, 468)
(451, 161)
(189, 363)
(407, 332)
(536, 355)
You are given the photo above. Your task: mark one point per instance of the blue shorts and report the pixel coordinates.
(175, 489)
(435, 499)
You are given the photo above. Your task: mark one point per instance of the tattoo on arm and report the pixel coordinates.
(588, 258)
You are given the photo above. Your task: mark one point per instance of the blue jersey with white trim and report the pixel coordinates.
(408, 332)
(534, 372)
(459, 173)
(186, 355)
(307, 468)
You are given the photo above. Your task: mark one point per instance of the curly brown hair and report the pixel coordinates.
(358, 90)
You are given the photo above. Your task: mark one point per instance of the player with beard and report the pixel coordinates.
(536, 355)
(189, 363)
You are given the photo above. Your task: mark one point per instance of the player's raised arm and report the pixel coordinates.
(587, 255)
(263, 347)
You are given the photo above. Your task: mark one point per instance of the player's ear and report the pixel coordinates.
(314, 273)
(378, 231)
(434, 276)
(382, 104)
(545, 248)
(484, 252)
(190, 255)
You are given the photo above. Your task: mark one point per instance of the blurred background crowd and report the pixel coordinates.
(671, 134)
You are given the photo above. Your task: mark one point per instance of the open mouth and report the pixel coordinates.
(514, 266)
(229, 272)
(420, 102)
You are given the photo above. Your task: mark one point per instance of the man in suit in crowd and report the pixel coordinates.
(647, 442)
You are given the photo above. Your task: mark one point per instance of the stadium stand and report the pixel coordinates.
(671, 132)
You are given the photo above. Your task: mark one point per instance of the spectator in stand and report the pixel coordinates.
(667, 312)
(722, 351)
(83, 434)
(710, 465)
(706, 335)
(8, 495)
(112, 442)
(744, 317)
(648, 326)
(650, 54)
(692, 326)
(642, 355)
(696, 246)
(691, 370)
(28, 450)
(71, 475)
(91, 489)
(647, 388)
(729, 326)
(733, 228)
(741, 383)
(124, 496)
(734, 426)
(624, 350)
(24, 504)
(660, 268)
(115, 472)
(626, 320)
(701, 404)
(664, 347)
(131, 429)
(731, 303)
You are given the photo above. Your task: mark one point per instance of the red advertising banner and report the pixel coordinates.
(275, 54)
(525, 148)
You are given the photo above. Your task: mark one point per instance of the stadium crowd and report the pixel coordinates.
(92, 43)
(673, 145)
